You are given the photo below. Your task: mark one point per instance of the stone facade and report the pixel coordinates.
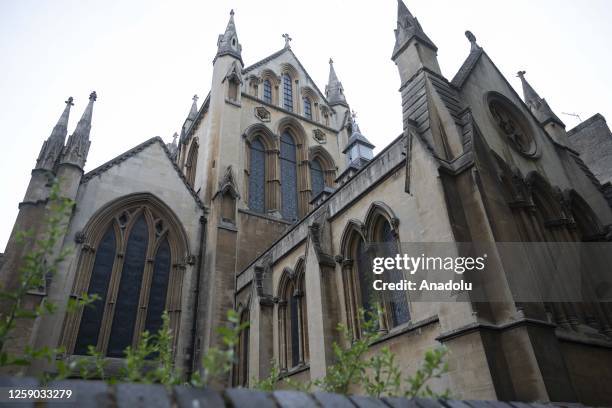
(270, 194)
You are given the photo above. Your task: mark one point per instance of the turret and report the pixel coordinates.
(358, 150)
(334, 93)
(540, 109)
(74, 154)
(413, 49)
(52, 147)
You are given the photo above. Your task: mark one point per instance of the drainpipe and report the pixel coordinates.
(192, 365)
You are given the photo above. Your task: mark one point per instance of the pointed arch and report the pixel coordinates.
(191, 163)
(261, 180)
(328, 166)
(586, 220)
(354, 229)
(545, 198)
(379, 210)
(136, 281)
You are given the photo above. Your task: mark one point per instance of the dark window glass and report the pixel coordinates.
(98, 285)
(129, 290)
(307, 108)
(257, 177)
(364, 275)
(295, 330)
(159, 288)
(288, 178)
(244, 360)
(267, 91)
(316, 177)
(398, 302)
(287, 93)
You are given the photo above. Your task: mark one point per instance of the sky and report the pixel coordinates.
(147, 58)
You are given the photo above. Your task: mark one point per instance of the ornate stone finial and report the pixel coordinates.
(174, 137)
(69, 101)
(195, 98)
(93, 96)
(331, 61)
(521, 74)
(472, 39)
(231, 12)
(287, 40)
(353, 114)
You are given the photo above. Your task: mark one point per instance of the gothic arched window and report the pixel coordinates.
(363, 267)
(288, 166)
(293, 320)
(267, 91)
(396, 302)
(241, 368)
(287, 92)
(130, 260)
(191, 163)
(257, 176)
(317, 178)
(307, 108)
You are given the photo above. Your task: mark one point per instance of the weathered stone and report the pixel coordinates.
(84, 394)
(241, 397)
(17, 383)
(327, 399)
(367, 402)
(141, 396)
(289, 399)
(190, 397)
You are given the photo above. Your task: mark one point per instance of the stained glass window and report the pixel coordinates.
(288, 178)
(307, 108)
(316, 178)
(257, 176)
(128, 295)
(159, 287)
(267, 91)
(98, 285)
(398, 302)
(287, 93)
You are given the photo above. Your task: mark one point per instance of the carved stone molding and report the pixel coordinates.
(262, 114)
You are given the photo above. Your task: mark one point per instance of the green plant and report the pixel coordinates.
(38, 266)
(217, 362)
(433, 367)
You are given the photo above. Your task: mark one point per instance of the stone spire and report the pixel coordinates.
(52, 147)
(228, 44)
(407, 28)
(359, 148)
(173, 146)
(539, 107)
(193, 112)
(78, 144)
(191, 117)
(334, 91)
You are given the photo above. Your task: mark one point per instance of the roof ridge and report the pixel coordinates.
(132, 152)
(466, 68)
(264, 60)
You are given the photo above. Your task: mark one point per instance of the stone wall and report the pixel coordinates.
(99, 394)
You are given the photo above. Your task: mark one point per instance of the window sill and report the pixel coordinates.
(286, 373)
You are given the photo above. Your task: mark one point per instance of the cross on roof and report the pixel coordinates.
(287, 39)
(195, 98)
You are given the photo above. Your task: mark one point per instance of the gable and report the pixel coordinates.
(146, 167)
(282, 61)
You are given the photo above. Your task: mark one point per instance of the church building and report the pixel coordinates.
(270, 194)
